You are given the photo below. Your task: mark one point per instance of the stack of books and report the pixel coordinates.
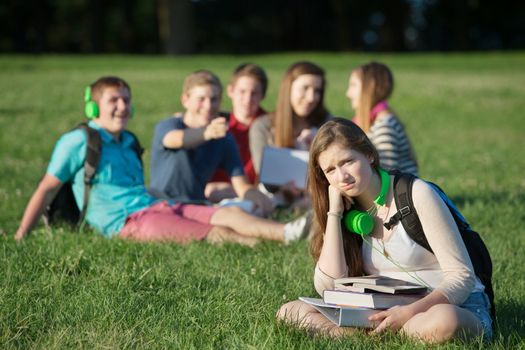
(354, 299)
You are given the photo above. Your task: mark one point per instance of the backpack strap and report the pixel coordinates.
(93, 151)
(407, 213)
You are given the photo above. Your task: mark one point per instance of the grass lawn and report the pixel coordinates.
(464, 113)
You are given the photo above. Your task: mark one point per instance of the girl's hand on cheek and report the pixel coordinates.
(336, 202)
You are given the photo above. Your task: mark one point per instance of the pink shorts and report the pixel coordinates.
(181, 223)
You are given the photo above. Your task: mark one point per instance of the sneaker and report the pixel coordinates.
(298, 228)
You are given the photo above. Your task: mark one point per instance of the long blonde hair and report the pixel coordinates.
(284, 115)
(349, 135)
(377, 84)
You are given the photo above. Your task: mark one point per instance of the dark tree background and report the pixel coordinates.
(244, 26)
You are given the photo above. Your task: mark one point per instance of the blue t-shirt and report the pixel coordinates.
(182, 174)
(118, 185)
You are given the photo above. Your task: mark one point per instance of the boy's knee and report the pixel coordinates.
(230, 210)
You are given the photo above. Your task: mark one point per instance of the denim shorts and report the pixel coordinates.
(478, 303)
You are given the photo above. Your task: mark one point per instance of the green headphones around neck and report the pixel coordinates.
(91, 110)
(361, 222)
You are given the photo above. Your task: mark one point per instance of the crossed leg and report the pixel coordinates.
(307, 317)
(443, 322)
(438, 324)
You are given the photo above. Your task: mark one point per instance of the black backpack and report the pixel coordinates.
(477, 250)
(64, 208)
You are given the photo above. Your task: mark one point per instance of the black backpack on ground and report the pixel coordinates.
(477, 250)
(64, 208)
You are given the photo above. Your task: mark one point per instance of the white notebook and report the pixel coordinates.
(282, 165)
(343, 316)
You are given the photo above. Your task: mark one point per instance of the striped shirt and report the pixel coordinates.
(392, 143)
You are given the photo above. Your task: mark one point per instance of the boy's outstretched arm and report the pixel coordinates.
(41, 198)
(187, 138)
(192, 137)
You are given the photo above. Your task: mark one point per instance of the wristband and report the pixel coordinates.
(193, 137)
(333, 213)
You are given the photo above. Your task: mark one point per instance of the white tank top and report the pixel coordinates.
(414, 263)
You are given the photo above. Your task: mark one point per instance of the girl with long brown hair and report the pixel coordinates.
(369, 88)
(344, 174)
(300, 111)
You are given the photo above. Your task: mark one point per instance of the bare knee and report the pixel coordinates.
(283, 311)
(224, 215)
(217, 191)
(233, 210)
(294, 311)
(438, 324)
(307, 317)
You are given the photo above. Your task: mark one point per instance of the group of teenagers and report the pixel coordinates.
(203, 156)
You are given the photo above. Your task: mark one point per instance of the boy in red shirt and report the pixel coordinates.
(247, 89)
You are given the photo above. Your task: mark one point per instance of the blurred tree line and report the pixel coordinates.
(243, 26)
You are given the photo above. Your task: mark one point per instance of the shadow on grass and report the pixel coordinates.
(510, 319)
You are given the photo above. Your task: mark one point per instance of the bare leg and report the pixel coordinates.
(443, 322)
(248, 225)
(217, 191)
(220, 234)
(307, 317)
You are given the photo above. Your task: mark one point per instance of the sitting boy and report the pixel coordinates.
(119, 204)
(188, 148)
(246, 90)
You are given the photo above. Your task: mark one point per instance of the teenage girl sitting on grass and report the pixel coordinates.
(344, 173)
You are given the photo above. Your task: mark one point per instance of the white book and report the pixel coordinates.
(377, 283)
(343, 315)
(282, 165)
(371, 288)
(369, 300)
(374, 279)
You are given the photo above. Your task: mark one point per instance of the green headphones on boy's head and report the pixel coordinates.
(91, 110)
(90, 107)
(361, 222)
